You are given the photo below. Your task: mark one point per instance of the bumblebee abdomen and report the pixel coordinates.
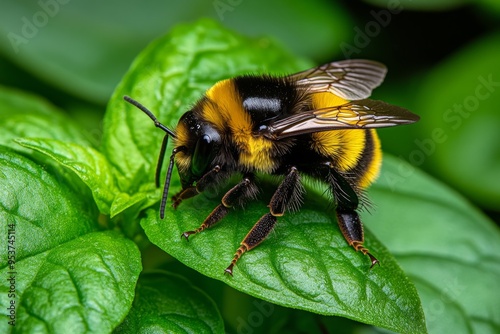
(355, 152)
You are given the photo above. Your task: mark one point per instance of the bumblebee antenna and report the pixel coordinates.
(167, 179)
(150, 114)
(161, 155)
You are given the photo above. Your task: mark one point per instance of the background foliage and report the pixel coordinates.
(443, 65)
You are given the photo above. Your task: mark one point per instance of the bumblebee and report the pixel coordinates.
(316, 123)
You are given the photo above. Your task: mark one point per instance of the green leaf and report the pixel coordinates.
(86, 284)
(171, 304)
(305, 264)
(64, 275)
(94, 170)
(89, 164)
(459, 126)
(124, 201)
(44, 210)
(444, 244)
(25, 115)
(168, 77)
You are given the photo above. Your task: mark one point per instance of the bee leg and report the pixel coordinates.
(288, 194)
(348, 219)
(184, 194)
(241, 192)
(256, 235)
(192, 191)
(352, 229)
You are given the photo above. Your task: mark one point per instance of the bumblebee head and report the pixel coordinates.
(197, 145)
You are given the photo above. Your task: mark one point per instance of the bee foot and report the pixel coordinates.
(229, 270)
(374, 260)
(186, 235)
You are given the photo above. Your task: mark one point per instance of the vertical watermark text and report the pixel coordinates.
(11, 274)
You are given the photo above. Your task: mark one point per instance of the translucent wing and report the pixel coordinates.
(352, 79)
(362, 114)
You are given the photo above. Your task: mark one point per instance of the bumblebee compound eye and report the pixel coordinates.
(205, 151)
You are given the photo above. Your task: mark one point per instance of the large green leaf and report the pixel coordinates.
(307, 264)
(26, 189)
(448, 248)
(86, 162)
(171, 303)
(27, 115)
(63, 274)
(30, 123)
(91, 167)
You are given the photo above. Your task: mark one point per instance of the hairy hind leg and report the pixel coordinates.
(352, 229)
(348, 219)
(287, 195)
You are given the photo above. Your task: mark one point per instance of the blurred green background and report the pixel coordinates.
(443, 59)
